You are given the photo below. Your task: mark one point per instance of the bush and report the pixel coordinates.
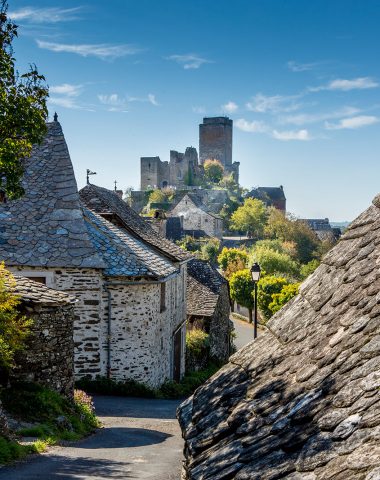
(197, 349)
(108, 386)
(241, 289)
(282, 298)
(11, 450)
(14, 328)
(309, 268)
(231, 255)
(268, 286)
(210, 250)
(273, 261)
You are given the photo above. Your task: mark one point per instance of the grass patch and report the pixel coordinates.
(130, 388)
(57, 418)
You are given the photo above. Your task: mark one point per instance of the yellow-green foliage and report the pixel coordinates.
(241, 288)
(197, 342)
(280, 299)
(14, 328)
(157, 196)
(267, 287)
(213, 170)
(231, 255)
(250, 218)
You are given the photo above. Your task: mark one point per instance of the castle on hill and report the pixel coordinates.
(186, 169)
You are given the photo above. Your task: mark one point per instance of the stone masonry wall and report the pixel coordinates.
(141, 335)
(196, 219)
(220, 327)
(215, 140)
(48, 358)
(86, 286)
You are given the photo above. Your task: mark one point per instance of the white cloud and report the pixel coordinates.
(66, 89)
(273, 104)
(251, 127)
(199, 109)
(66, 102)
(103, 51)
(152, 99)
(291, 135)
(352, 123)
(114, 102)
(304, 118)
(360, 83)
(301, 67)
(45, 15)
(190, 61)
(229, 107)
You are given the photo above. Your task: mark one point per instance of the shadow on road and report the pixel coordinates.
(135, 407)
(70, 469)
(122, 437)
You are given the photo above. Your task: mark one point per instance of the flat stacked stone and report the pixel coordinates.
(302, 401)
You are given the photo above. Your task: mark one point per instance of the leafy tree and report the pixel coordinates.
(235, 266)
(268, 286)
(280, 299)
(309, 268)
(213, 170)
(23, 110)
(289, 229)
(228, 209)
(231, 255)
(157, 196)
(229, 183)
(241, 289)
(210, 250)
(250, 217)
(273, 261)
(13, 328)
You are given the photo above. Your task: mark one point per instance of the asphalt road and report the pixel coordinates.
(244, 332)
(140, 439)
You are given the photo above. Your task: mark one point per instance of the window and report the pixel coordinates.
(163, 297)
(38, 279)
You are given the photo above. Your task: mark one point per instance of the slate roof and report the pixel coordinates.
(302, 402)
(30, 291)
(122, 253)
(204, 284)
(106, 202)
(267, 193)
(45, 227)
(197, 201)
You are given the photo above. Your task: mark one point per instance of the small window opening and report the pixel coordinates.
(163, 297)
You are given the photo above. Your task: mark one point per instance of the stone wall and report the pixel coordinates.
(215, 140)
(195, 218)
(48, 357)
(141, 336)
(153, 172)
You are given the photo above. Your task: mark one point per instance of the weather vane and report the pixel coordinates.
(89, 172)
(115, 182)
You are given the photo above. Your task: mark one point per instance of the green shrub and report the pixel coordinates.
(272, 261)
(11, 450)
(231, 255)
(108, 386)
(197, 349)
(282, 298)
(309, 268)
(268, 286)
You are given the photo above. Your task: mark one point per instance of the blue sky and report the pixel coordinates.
(301, 80)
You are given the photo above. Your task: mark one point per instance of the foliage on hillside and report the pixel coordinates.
(204, 248)
(250, 218)
(213, 170)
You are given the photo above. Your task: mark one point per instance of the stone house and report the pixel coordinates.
(208, 306)
(323, 229)
(48, 358)
(302, 400)
(270, 196)
(198, 220)
(48, 236)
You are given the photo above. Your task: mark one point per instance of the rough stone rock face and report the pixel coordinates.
(302, 401)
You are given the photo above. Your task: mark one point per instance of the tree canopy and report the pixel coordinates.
(23, 110)
(213, 170)
(241, 288)
(250, 218)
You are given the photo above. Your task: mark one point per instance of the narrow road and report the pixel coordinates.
(140, 439)
(244, 332)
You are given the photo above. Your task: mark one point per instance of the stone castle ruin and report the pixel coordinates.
(184, 169)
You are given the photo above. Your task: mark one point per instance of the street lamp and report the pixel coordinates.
(255, 274)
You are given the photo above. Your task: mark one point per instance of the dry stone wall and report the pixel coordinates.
(48, 357)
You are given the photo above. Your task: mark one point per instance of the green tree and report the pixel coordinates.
(241, 288)
(210, 250)
(250, 217)
(14, 328)
(267, 287)
(157, 196)
(282, 298)
(273, 261)
(230, 255)
(23, 110)
(309, 268)
(213, 170)
(229, 183)
(290, 229)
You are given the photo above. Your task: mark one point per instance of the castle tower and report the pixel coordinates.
(215, 140)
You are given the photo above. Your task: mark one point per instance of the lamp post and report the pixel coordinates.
(255, 274)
